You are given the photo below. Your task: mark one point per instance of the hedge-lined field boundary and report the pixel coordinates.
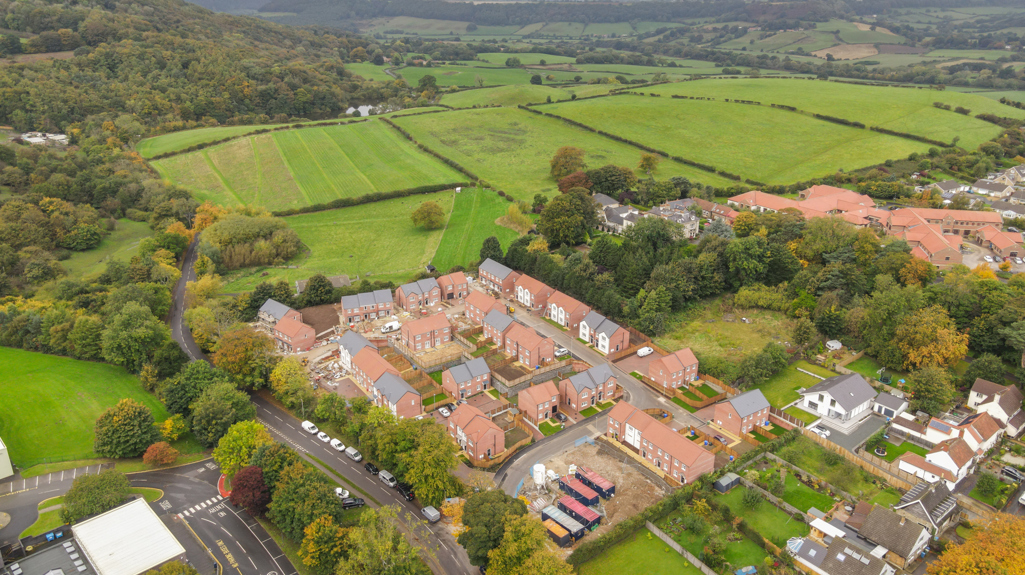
(370, 198)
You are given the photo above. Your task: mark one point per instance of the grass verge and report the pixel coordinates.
(343, 478)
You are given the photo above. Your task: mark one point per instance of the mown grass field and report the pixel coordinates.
(49, 404)
(295, 168)
(511, 149)
(521, 94)
(472, 221)
(466, 76)
(641, 552)
(527, 59)
(757, 142)
(901, 109)
(370, 71)
(121, 244)
(376, 240)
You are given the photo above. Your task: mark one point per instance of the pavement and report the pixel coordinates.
(853, 438)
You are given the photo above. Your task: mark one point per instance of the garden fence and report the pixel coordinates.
(676, 547)
(896, 477)
(784, 419)
(773, 499)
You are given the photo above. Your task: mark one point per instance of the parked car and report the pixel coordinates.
(337, 445)
(1013, 230)
(324, 437)
(560, 416)
(431, 514)
(354, 455)
(1018, 261)
(998, 259)
(989, 259)
(371, 468)
(353, 502)
(406, 491)
(451, 407)
(309, 427)
(1014, 474)
(341, 493)
(561, 351)
(821, 431)
(644, 351)
(444, 411)
(387, 478)
(722, 440)
(1021, 500)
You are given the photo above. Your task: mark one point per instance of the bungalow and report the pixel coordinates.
(950, 461)
(539, 402)
(368, 366)
(466, 379)
(839, 397)
(951, 186)
(475, 433)
(742, 414)
(272, 311)
(604, 334)
(453, 286)
(584, 389)
(903, 541)
(674, 370)
(293, 335)
(528, 347)
(393, 393)
(366, 306)
(348, 346)
(663, 448)
(1009, 210)
(1018, 197)
(565, 310)
(1002, 402)
(1004, 244)
(993, 189)
(427, 332)
(425, 292)
(497, 277)
(531, 293)
(479, 304)
(496, 325)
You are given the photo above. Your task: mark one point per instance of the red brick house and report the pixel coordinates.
(498, 277)
(393, 393)
(464, 380)
(585, 389)
(539, 402)
(293, 335)
(527, 346)
(414, 295)
(566, 311)
(532, 293)
(479, 304)
(453, 286)
(675, 369)
(427, 332)
(496, 325)
(475, 433)
(677, 456)
(368, 366)
(743, 413)
(604, 334)
(366, 306)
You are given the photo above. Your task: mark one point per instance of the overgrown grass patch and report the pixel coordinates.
(813, 458)
(642, 552)
(703, 330)
(781, 389)
(773, 524)
(473, 220)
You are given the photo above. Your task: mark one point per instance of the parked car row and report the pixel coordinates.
(998, 259)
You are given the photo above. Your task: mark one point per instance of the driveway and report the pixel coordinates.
(856, 437)
(634, 362)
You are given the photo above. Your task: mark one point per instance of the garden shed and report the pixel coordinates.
(727, 482)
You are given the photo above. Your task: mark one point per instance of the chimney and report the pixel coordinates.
(902, 520)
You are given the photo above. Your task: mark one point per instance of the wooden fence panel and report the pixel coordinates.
(676, 547)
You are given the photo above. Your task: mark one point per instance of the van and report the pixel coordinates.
(390, 327)
(310, 428)
(431, 514)
(1021, 500)
(352, 454)
(387, 478)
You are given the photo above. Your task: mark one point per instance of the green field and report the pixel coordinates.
(49, 404)
(511, 149)
(466, 76)
(701, 328)
(742, 139)
(901, 109)
(121, 244)
(767, 519)
(296, 168)
(642, 552)
(527, 58)
(370, 71)
(517, 94)
(781, 389)
(339, 242)
(472, 221)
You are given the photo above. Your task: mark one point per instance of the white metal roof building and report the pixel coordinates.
(5, 461)
(127, 540)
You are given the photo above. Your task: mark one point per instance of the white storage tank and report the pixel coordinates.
(539, 474)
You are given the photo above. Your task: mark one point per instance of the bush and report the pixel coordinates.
(160, 453)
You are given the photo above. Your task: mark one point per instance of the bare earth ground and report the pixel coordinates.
(863, 27)
(848, 51)
(30, 58)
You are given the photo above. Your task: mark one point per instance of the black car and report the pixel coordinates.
(352, 502)
(451, 407)
(371, 468)
(1013, 474)
(406, 491)
(561, 416)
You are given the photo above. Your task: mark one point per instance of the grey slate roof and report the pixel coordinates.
(849, 390)
(420, 287)
(600, 324)
(370, 298)
(989, 186)
(494, 268)
(591, 378)
(498, 320)
(931, 503)
(469, 370)
(393, 387)
(811, 552)
(1002, 206)
(883, 527)
(604, 201)
(891, 401)
(948, 185)
(275, 308)
(843, 559)
(749, 402)
(680, 205)
(593, 319)
(353, 342)
(613, 217)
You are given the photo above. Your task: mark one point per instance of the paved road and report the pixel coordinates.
(179, 331)
(20, 498)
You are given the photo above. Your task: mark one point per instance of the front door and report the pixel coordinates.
(462, 394)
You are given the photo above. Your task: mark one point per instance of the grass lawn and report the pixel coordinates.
(47, 521)
(741, 139)
(801, 414)
(767, 519)
(703, 330)
(527, 59)
(120, 245)
(338, 241)
(482, 349)
(511, 149)
(706, 390)
(866, 366)
(811, 457)
(548, 429)
(895, 451)
(521, 94)
(776, 430)
(996, 500)
(436, 376)
(556, 324)
(803, 497)
(637, 375)
(886, 497)
(642, 552)
(686, 406)
(758, 436)
(691, 395)
(473, 220)
(148, 493)
(49, 404)
(493, 393)
(606, 405)
(781, 389)
(294, 168)
(434, 399)
(369, 71)
(739, 553)
(899, 109)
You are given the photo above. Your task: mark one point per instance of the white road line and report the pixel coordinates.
(62, 476)
(241, 547)
(186, 513)
(253, 562)
(192, 509)
(278, 418)
(220, 497)
(290, 425)
(202, 505)
(208, 521)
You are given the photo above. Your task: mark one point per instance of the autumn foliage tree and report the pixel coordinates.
(247, 355)
(996, 548)
(574, 180)
(649, 162)
(160, 453)
(567, 160)
(323, 545)
(236, 447)
(429, 216)
(125, 430)
(928, 337)
(249, 491)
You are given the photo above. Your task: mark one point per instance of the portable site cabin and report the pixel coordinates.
(727, 482)
(578, 490)
(559, 535)
(585, 515)
(602, 486)
(575, 529)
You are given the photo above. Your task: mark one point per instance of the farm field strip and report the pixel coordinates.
(305, 168)
(472, 221)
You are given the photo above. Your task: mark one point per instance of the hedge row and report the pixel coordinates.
(447, 161)
(842, 121)
(922, 139)
(1012, 103)
(197, 147)
(999, 120)
(678, 96)
(370, 198)
(755, 183)
(744, 102)
(791, 108)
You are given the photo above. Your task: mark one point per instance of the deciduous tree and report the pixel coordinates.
(273, 459)
(235, 449)
(744, 224)
(218, 408)
(318, 291)
(180, 391)
(132, 336)
(291, 384)
(567, 159)
(931, 389)
(323, 545)
(301, 496)
(492, 248)
(986, 366)
(577, 179)
(246, 355)
(649, 162)
(429, 467)
(376, 547)
(160, 453)
(249, 491)
(994, 548)
(429, 216)
(94, 493)
(484, 516)
(125, 430)
(524, 547)
(929, 337)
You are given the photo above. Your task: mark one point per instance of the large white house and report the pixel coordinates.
(950, 461)
(1002, 402)
(839, 397)
(604, 334)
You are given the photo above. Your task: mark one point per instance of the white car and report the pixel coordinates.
(323, 437)
(561, 351)
(821, 431)
(1017, 261)
(341, 493)
(988, 259)
(337, 445)
(644, 351)
(444, 411)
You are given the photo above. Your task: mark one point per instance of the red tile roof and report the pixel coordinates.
(370, 362)
(523, 336)
(540, 393)
(290, 327)
(480, 300)
(676, 445)
(434, 322)
(531, 285)
(565, 302)
(958, 450)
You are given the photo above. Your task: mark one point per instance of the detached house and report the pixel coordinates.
(496, 325)
(992, 188)
(902, 540)
(539, 402)
(839, 397)
(675, 369)
(930, 505)
(479, 304)
(393, 393)
(950, 461)
(475, 433)
(531, 293)
(1002, 402)
(425, 292)
(527, 346)
(837, 557)
(566, 311)
(453, 286)
(663, 448)
(497, 277)
(951, 186)
(349, 345)
(272, 311)
(293, 335)
(604, 334)
(427, 332)
(366, 306)
(742, 414)
(585, 389)
(464, 380)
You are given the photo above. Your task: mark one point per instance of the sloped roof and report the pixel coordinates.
(480, 300)
(561, 300)
(291, 327)
(844, 559)
(524, 336)
(604, 200)
(749, 402)
(983, 424)
(531, 285)
(352, 342)
(958, 450)
(591, 378)
(892, 401)
(498, 320)
(494, 268)
(541, 392)
(990, 186)
(676, 445)
(454, 279)
(469, 370)
(891, 530)
(434, 322)
(762, 199)
(370, 298)
(276, 309)
(370, 362)
(948, 185)
(420, 287)
(850, 390)
(393, 387)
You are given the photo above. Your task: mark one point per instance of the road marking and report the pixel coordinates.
(278, 418)
(253, 562)
(208, 521)
(202, 505)
(290, 425)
